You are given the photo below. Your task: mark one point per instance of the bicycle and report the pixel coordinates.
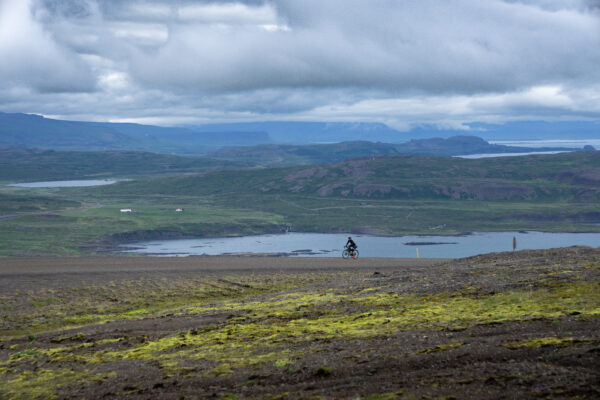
(349, 253)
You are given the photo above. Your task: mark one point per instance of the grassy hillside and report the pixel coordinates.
(569, 177)
(11, 203)
(38, 165)
(398, 195)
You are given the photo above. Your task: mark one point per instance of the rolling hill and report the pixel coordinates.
(567, 176)
(34, 165)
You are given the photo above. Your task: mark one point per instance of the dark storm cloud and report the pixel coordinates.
(374, 60)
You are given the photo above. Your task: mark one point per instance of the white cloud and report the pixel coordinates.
(227, 13)
(403, 63)
(143, 33)
(31, 58)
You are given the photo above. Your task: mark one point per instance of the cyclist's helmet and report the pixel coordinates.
(349, 237)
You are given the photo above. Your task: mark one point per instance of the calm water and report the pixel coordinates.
(574, 143)
(331, 245)
(48, 184)
(489, 155)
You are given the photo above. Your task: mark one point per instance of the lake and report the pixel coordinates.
(490, 155)
(572, 143)
(56, 184)
(331, 245)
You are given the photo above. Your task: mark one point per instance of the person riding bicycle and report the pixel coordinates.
(350, 245)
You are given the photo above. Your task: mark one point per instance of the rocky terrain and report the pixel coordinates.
(504, 325)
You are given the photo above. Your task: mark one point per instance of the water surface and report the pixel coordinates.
(331, 245)
(572, 143)
(76, 183)
(489, 155)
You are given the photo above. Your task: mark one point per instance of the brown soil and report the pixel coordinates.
(402, 365)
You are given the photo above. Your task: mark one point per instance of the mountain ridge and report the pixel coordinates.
(34, 131)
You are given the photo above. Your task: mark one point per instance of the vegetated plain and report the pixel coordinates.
(503, 325)
(386, 195)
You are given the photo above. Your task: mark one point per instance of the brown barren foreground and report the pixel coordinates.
(504, 325)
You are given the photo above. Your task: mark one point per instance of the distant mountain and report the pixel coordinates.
(21, 164)
(277, 154)
(536, 130)
(313, 132)
(292, 132)
(285, 154)
(34, 131)
(178, 138)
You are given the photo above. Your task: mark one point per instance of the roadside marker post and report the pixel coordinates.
(417, 252)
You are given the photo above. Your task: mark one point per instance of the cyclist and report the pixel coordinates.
(350, 245)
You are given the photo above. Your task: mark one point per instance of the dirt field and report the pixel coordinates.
(504, 325)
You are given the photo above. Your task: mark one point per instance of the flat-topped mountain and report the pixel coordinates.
(279, 154)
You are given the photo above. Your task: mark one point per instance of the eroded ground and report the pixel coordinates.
(505, 325)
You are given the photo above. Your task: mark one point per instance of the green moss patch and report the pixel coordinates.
(543, 342)
(441, 347)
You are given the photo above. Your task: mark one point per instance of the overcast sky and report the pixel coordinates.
(400, 62)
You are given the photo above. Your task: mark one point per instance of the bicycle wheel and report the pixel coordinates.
(345, 254)
(355, 255)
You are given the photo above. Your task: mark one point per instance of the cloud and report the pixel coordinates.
(31, 58)
(404, 62)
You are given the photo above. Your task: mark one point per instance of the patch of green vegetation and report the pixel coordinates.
(283, 363)
(25, 354)
(43, 383)
(77, 337)
(11, 204)
(542, 342)
(135, 299)
(263, 332)
(441, 347)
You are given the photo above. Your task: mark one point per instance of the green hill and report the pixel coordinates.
(35, 165)
(567, 176)
(403, 194)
